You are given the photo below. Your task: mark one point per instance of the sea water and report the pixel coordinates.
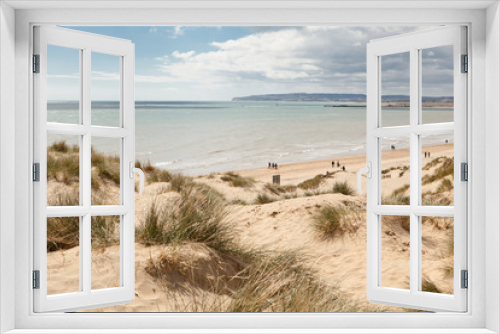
(203, 137)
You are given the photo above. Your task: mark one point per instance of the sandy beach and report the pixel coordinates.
(283, 222)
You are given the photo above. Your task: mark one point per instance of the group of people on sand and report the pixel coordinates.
(338, 165)
(272, 165)
(427, 154)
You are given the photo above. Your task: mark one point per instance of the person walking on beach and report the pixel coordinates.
(425, 154)
(338, 163)
(333, 164)
(268, 165)
(428, 154)
(343, 168)
(276, 165)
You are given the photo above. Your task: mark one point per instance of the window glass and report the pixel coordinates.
(63, 84)
(395, 92)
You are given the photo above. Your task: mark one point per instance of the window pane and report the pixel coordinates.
(437, 84)
(395, 170)
(105, 181)
(437, 169)
(63, 170)
(395, 252)
(63, 255)
(437, 254)
(105, 233)
(105, 90)
(395, 99)
(63, 85)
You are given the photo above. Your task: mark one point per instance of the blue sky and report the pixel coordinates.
(218, 63)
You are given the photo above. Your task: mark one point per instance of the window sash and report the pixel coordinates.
(413, 43)
(87, 43)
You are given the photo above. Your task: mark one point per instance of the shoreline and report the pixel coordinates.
(299, 171)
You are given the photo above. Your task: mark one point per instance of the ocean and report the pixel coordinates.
(197, 138)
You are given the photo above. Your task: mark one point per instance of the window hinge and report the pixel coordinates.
(465, 279)
(465, 64)
(36, 172)
(464, 171)
(36, 63)
(36, 279)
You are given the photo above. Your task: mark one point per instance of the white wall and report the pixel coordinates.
(7, 159)
(492, 164)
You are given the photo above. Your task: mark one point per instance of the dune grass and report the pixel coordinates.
(428, 285)
(333, 221)
(63, 162)
(446, 185)
(153, 173)
(178, 182)
(267, 283)
(445, 169)
(107, 167)
(404, 169)
(401, 191)
(104, 230)
(281, 283)
(279, 189)
(236, 180)
(311, 183)
(397, 198)
(343, 187)
(197, 216)
(64, 232)
(264, 199)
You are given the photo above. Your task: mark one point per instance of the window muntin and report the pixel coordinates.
(415, 209)
(84, 222)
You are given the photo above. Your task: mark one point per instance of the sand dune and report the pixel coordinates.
(279, 226)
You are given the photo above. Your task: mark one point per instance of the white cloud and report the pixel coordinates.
(182, 55)
(178, 31)
(294, 59)
(100, 75)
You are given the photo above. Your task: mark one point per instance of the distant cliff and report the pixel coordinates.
(336, 97)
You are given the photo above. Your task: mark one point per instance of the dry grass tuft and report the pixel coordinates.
(278, 189)
(197, 216)
(311, 183)
(62, 233)
(178, 182)
(264, 199)
(153, 174)
(63, 162)
(196, 264)
(106, 167)
(237, 180)
(428, 285)
(343, 187)
(333, 221)
(445, 169)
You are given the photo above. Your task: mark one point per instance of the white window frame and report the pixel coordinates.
(414, 44)
(86, 44)
(484, 50)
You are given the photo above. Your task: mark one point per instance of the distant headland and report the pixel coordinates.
(322, 97)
